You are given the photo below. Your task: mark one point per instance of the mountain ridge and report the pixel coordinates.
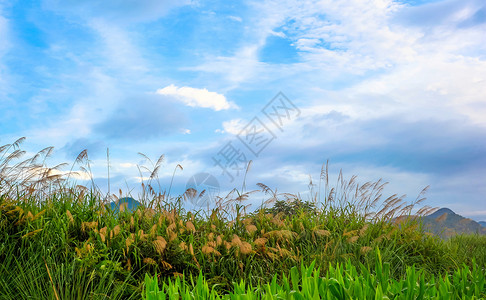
(445, 223)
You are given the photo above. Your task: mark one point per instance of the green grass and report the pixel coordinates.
(60, 241)
(344, 281)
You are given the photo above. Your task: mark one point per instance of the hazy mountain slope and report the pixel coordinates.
(445, 222)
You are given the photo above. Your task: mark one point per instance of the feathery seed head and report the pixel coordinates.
(70, 217)
(171, 227)
(159, 245)
(365, 249)
(362, 231)
(85, 226)
(190, 226)
(153, 230)
(219, 240)
(32, 233)
(116, 230)
(260, 242)
(149, 261)
(172, 236)
(183, 246)
(236, 240)
(128, 242)
(149, 213)
(207, 249)
(102, 233)
(247, 221)
(141, 235)
(322, 232)
(251, 229)
(227, 245)
(245, 248)
(350, 233)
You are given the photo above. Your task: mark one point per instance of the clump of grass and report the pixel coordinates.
(467, 246)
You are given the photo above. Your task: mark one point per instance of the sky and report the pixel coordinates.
(382, 89)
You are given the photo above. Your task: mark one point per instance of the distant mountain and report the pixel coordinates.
(482, 223)
(440, 212)
(129, 203)
(444, 222)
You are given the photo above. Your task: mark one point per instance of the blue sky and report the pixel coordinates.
(383, 89)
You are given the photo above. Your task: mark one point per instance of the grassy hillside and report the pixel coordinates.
(61, 241)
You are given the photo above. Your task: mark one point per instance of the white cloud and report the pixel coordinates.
(40, 172)
(197, 97)
(332, 37)
(295, 174)
(440, 86)
(141, 179)
(233, 126)
(241, 67)
(3, 34)
(235, 18)
(120, 52)
(382, 64)
(474, 213)
(349, 36)
(127, 165)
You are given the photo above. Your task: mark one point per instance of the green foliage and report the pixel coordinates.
(469, 246)
(292, 208)
(344, 281)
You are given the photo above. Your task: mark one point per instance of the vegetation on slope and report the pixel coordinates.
(61, 241)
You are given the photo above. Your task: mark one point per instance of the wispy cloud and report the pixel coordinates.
(450, 13)
(233, 70)
(74, 148)
(142, 117)
(4, 46)
(233, 126)
(235, 18)
(120, 11)
(197, 97)
(120, 52)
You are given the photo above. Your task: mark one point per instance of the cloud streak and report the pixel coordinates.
(120, 11)
(197, 97)
(141, 118)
